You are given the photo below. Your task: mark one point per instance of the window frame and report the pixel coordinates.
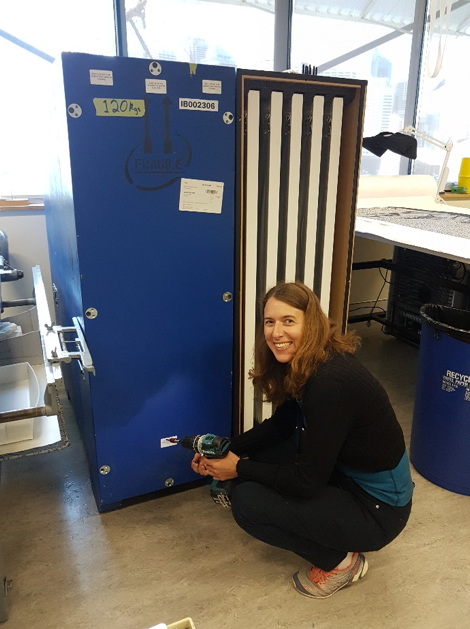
(283, 16)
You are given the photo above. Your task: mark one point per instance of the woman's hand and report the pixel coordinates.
(199, 466)
(221, 469)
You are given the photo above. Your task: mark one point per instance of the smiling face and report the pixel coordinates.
(283, 329)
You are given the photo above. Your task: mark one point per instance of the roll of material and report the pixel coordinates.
(381, 186)
(416, 192)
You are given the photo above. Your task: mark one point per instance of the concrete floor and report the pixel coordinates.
(164, 559)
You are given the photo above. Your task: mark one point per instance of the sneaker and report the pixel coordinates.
(317, 583)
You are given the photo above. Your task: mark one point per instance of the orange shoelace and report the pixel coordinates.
(317, 575)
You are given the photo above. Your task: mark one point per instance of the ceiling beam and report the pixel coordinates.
(26, 46)
(367, 8)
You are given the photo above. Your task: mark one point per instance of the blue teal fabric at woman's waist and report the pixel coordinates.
(394, 487)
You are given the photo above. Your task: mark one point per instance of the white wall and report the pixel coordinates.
(27, 243)
(366, 284)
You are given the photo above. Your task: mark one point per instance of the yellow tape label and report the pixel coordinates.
(129, 108)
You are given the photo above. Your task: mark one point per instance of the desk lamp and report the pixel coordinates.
(447, 146)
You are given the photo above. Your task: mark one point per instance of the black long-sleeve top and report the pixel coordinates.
(349, 422)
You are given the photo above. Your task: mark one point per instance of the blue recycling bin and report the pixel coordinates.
(440, 435)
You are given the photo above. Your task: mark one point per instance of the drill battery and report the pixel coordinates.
(221, 491)
(213, 447)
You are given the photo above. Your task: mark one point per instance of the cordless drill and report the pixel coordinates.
(212, 447)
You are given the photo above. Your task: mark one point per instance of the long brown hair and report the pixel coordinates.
(278, 381)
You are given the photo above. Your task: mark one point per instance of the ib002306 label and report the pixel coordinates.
(198, 104)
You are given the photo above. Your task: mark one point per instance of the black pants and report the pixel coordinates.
(322, 530)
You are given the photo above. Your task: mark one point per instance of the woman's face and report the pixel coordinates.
(283, 329)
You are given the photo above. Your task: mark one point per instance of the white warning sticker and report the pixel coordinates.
(197, 104)
(101, 77)
(211, 87)
(155, 86)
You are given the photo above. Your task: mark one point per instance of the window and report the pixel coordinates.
(444, 100)
(362, 39)
(202, 31)
(33, 34)
(346, 40)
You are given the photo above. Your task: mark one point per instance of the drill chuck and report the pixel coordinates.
(209, 445)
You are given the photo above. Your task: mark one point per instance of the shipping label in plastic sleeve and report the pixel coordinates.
(201, 196)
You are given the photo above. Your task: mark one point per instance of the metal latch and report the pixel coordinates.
(53, 339)
(57, 346)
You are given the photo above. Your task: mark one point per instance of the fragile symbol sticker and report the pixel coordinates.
(129, 108)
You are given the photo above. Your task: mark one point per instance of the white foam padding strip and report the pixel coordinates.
(332, 191)
(251, 250)
(275, 141)
(293, 190)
